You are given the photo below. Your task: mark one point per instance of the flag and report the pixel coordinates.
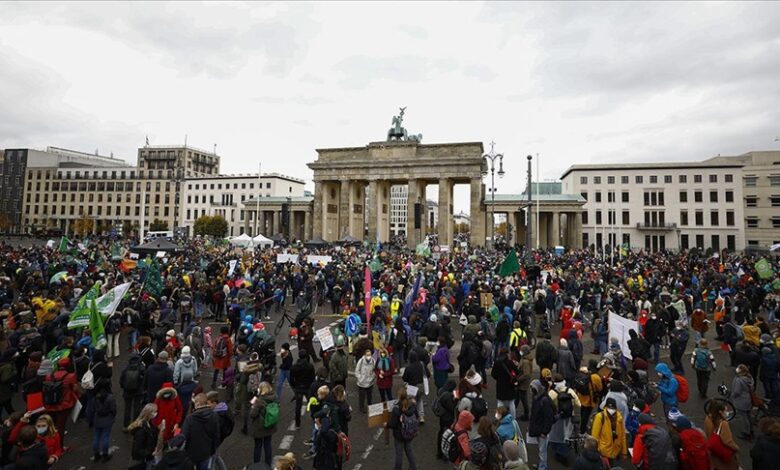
(153, 281)
(96, 328)
(367, 298)
(56, 354)
(776, 284)
(510, 265)
(423, 249)
(412, 296)
(774, 247)
(79, 317)
(763, 268)
(117, 252)
(127, 265)
(65, 245)
(108, 302)
(60, 276)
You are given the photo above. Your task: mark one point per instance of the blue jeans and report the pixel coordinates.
(542, 453)
(263, 445)
(656, 351)
(132, 337)
(101, 438)
(440, 378)
(283, 375)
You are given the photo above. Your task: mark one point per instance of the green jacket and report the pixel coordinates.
(338, 367)
(257, 417)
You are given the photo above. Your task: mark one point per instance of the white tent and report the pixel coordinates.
(262, 241)
(242, 240)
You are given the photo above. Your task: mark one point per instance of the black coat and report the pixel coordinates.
(156, 375)
(764, 452)
(589, 459)
(144, 442)
(302, 376)
(201, 429)
(546, 355)
(175, 460)
(542, 416)
(34, 457)
(505, 373)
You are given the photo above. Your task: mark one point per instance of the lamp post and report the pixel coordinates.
(528, 216)
(492, 157)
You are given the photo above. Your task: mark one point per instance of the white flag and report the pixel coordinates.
(232, 265)
(107, 303)
(774, 247)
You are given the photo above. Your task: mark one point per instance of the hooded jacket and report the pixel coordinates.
(175, 460)
(575, 346)
(667, 385)
(741, 388)
(156, 375)
(257, 415)
(447, 400)
(506, 376)
(542, 415)
(602, 431)
(32, 458)
(169, 408)
(765, 451)
(185, 369)
(506, 428)
(201, 429)
(301, 375)
(464, 423)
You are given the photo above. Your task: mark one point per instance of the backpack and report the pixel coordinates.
(582, 383)
(410, 426)
(134, 378)
(478, 407)
(682, 390)
(449, 445)
(113, 325)
(565, 404)
(438, 409)
(694, 454)
(88, 379)
(701, 359)
(740, 334)
(343, 446)
(271, 417)
(53, 391)
(660, 450)
(220, 349)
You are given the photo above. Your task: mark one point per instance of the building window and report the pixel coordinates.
(730, 218)
(584, 195)
(598, 196)
(684, 242)
(683, 218)
(610, 196)
(598, 217)
(713, 178)
(585, 217)
(713, 196)
(626, 218)
(638, 179)
(699, 218)
(583, 180)
(731, 242)
(751, 201)
(667, 179)
(610, 180)
(775, 200)
(697, 178)
(624, 196)
(624, 180)
(682, 179)
(611, 217)
(775, 222)
(752, 222)
(774, 180)
(729, 179)
(750, 181)
(715, 241)
(700, 242)
(683, 196)
(714, 218)
(267, 185)
(653, 179)
(697, 196)
(729, 196)
(752, 242)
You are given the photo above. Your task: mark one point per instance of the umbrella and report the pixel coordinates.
(60, 276)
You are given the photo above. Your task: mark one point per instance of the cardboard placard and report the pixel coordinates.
(326, 338)
(486, 300)
(35, 402)
(379, 413)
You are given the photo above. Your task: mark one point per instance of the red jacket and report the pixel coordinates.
(640, 452)
(169, 408)
(385, 382)
(694, 454)
(69, 388)
(53, 443)
(223, 362)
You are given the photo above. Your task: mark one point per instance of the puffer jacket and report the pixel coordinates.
(464, 423)
(741, 388)
(667, 385)
(185, 368)
(364, 372)
(602, 431)
(169, 408)
(506, 428)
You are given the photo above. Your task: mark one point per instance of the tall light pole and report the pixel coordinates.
(528, 217)
(492, 157)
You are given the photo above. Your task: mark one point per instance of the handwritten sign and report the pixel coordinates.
(326, 338)
(379, 413)
(486, 300)
(282, 258)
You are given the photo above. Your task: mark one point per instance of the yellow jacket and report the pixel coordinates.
(752, 334)
(602, 431)
(595, 387)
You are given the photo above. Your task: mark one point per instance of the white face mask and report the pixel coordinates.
(611, 411)
(498, 417)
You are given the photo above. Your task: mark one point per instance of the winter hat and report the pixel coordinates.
(564, 343)
(683, 423)
(46, 367)
(37, 356)
(473, 378)
(546, 373)
(511, 450)
(611, 403)
(432, 317)
(170, 333)
(185, 352)
(525, 350)
(674, 413)
(645, 418)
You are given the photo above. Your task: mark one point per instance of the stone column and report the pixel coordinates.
(372, 210)
(357, 209)
(555, 229)
(445, 211)
(277, 216)
(416, 195)
(477, 223)
(307, 225)
(247, 213)
(577, 229)
(345, 211)
(317, 210)
(383, 211)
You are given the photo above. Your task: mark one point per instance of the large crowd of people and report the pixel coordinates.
(432, 333)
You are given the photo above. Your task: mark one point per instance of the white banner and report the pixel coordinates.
(618, 328)
(232, 265)
(317, 259)
(108, 302)
(286, 258)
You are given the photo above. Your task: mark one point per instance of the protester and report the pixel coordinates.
(404, 422)
(265, 418)
(146, 437)
(725, 458)
(101, 412)
(202, 433)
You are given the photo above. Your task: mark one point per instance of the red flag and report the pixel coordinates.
(367, 300)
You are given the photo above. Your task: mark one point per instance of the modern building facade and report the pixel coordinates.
(225, 195)
(661, 206)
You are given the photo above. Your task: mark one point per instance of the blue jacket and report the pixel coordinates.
(667, 385)
(506, 430)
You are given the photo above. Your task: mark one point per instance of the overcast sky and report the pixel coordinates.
(573, 82)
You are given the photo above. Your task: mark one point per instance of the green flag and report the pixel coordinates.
(763, 268)
(64, 245)
(79, 317)
(510, 265)
(153, 282)
(96, 326)
(423, 249)
(776, 284)
(376, 264)
(116, 252)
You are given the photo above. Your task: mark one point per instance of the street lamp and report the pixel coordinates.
(492, 157)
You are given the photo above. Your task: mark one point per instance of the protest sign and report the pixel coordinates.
(326, 338)
(618, 328)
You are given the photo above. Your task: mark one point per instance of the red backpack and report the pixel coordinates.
(694, 454)
(682, 390)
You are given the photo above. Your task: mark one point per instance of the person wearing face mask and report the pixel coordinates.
(30, 451)
(385, 369)
(609, 429)
(47, 434)
(655, 330)
(145, 437)
(284, 369)
(364, 375)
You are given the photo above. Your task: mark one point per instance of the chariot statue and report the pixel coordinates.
(398, 132)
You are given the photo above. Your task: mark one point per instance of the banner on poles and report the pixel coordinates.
(283, 258)
(618, 329)
(232, 265)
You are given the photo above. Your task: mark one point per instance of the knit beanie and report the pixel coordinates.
(511, 450)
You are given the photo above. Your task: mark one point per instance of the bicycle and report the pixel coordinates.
(730, 411)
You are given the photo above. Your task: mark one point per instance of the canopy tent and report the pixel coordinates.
(316, 243)
(349, 240)
(262, 241)
(243, 241)
(154, 246)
